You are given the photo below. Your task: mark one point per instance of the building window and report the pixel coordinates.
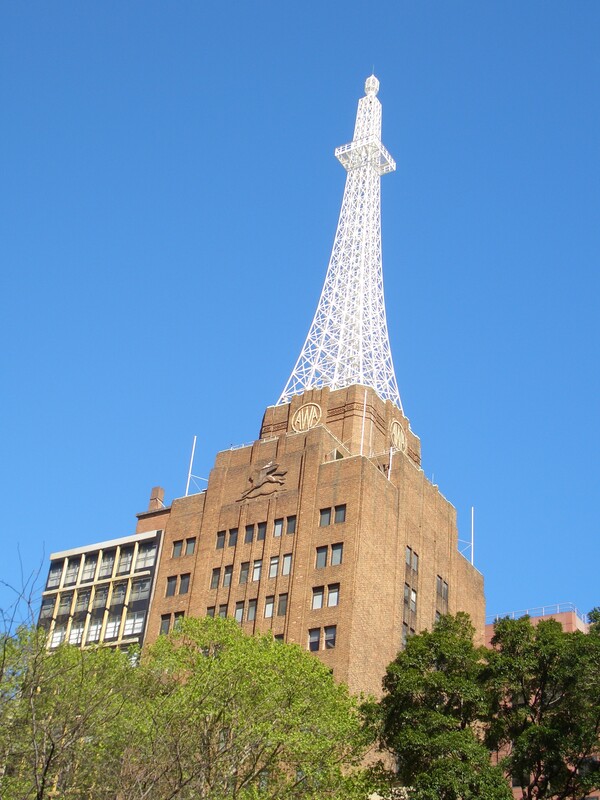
(330, 636)
(210, 611)
(412, 560)
(340, 513)
(125, 560)
(165, 624)
(112, 627)
(239, 611)
(269, 602)
(278, 637)
(134, 622)
(404, 634)
(94, 628)
(291, 525)
(314, 639)
(58, 635)
(83, 601)
(215, 578)
(64, 604)
(72, 572)
(177, 617)
(261, 531)
(47, 608)
(287, 564)
(324, 517)
(256, 570)
(108, 562)
(321, 560)
(413, 601)
(177, 548)
(337, 551)
(317, 597)
(54, 576)
(273, 566)
(172, 585)
(100, 597)
(184, 582)
(227, 575)
(333, 594)
(233, 537)
(89, 569)
(251, 610)
(118, 594)
(249, 536)
(190, 546)
(278, 527)
(146, 556)
(282, 605)
(140, 590)
(244, 570)
(223, 610)
(220, 540)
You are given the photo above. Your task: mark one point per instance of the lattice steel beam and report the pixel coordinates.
(348, 340)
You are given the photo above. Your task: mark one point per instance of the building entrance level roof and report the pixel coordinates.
(348, 340)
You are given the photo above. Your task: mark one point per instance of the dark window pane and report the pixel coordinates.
(321, 557)
(216, 577)
(249, 534)
(184, 583)
(165, 624)
(337, 551)
(261, 531)
(190, 546)
(325, 517)
(177, 547)
(233, 536)
(330, 635)
(291, 525)
(171, 585)
(220, 540)
(340, 513)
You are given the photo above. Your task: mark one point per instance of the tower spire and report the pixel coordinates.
(348, 340)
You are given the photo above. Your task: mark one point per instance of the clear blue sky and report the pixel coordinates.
(168, 203)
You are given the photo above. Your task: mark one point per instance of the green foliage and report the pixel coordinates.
(208, 713)
(243, 717)
(544, 688)
(430, 716)
(62, 718)
(532, 703)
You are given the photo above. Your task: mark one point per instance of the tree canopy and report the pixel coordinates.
(207, 712)
(457, 717)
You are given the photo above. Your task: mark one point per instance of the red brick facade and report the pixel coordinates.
(329, 569)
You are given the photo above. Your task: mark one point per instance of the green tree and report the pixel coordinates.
(432, 714)
(544, 690)
(225, 715)
(63, 718)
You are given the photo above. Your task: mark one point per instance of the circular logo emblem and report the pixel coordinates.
(397, 436)
(306, 417)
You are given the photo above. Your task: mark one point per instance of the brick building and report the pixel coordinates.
(298, 533)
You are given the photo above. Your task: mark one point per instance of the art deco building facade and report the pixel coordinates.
(325, 530)
(299, 534)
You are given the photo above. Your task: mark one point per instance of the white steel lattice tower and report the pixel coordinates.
(348, 340)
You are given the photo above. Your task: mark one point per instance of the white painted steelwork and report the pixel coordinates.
(348, 340)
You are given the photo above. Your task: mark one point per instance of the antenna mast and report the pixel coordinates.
(348, 340)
